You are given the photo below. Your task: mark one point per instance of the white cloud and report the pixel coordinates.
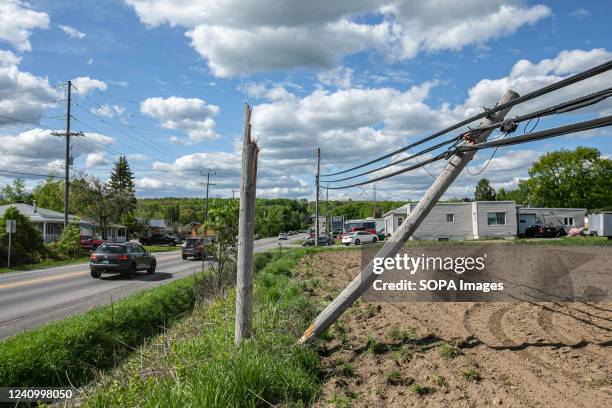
(39, 151)
(95, 159)
(580, 13)
(340, 77)
(258, 35)
(23, 96)
(72, 32)
(192, 115)
(109, 111)
(84, 85)
(17, 20)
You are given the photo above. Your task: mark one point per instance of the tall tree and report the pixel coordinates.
(484, 191)
(50, 194)
(15, 193)
(570, 178)
(121, 187)
(94, 199)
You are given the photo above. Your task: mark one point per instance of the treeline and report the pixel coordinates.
(579, 178)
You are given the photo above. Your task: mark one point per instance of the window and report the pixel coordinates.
(568, 221)
(443, 238)
(450, 217)
(496, 218)
(400, 220)
(54, 229)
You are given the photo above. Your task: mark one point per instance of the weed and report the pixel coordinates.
(440, 381)
(420, 389)
(471, 374)
(375, 346)
(449, 351)
(402, 335)
(344, 368)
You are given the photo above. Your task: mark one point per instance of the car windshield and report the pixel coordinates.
(110, 249)
(192, 241)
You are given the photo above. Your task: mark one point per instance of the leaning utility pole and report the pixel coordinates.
(246, 230)
(208, 183)
(363, 281)
(317, 182)
(67, 165)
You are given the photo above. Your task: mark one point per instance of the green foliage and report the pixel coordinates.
(123, 191)
(484, 191)
(471, 374)
(15, 193)
(420, 389)
(578, 178)
(71, 351)
(95, 199)
(449, 351)
(67, 245)
(26, 243)
(49, 194)
(402, 334)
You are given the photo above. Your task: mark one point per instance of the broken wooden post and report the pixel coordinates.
(361, 282)
(246, 230)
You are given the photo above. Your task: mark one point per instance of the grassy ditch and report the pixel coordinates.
(72, 351)
(196, 364)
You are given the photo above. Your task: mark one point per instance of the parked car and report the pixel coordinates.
(160, 239)
(539, 231)
(123, 258)
(358, 238)
(323, 241)
(282, 235)
(193, 247)
(89, 243)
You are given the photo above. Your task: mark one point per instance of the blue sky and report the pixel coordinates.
(164, 82)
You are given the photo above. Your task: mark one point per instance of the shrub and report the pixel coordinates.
(26, 243)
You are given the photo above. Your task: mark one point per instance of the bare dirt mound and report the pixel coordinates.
(460, 354)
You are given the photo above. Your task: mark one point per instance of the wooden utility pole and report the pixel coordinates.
(363, 281)
(67, 160)
(317, 177)
(208, 184)
(246, 229)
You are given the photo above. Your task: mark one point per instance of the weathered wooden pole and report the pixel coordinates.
(361, 282)
(317, 192)
(246, 229)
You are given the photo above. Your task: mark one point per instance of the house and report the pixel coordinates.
(155, 226)
(460, 220)
(550, 217)
(483, 219)
(51, 223)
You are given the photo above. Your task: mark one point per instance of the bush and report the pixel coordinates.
(67, 246)
(26, 243)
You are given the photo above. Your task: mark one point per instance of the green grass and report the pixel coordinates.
(420, 389)
(471, 374)
(160, 248)
(72, 350)
(46, 264)
(198, 364)
(566, 241)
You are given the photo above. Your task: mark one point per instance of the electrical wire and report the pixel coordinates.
(564, 107)
(581, 76)
(30, 174)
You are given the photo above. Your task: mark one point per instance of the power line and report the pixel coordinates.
(543, 134)
(606, 66)
(563, 107)
(30, 174)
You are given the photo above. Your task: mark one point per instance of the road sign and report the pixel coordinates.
(337, 223)
(11, 226)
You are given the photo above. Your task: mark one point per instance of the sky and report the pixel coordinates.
(164, 82)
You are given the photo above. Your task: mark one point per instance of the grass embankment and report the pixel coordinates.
(71, 351)
(197, 364)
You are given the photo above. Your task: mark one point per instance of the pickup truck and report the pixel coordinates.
(160, 239)
(89, 243)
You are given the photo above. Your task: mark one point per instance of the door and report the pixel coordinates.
(525, 221)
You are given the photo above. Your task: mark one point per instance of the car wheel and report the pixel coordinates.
(184, 256)
(357, 242)
(152, 268)
(96, 274)
(374, 239)
(130, 272)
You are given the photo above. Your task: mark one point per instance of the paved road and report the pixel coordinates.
(32, 298)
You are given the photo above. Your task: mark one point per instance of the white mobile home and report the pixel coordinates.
(550, 217)
(461, 220)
